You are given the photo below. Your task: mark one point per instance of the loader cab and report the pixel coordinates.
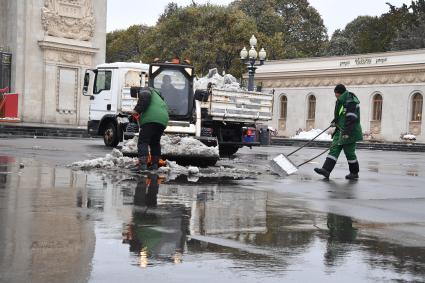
(175, 82)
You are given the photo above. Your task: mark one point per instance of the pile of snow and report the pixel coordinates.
(177, 146)
(226, 82)
(186, 146)
(171, 145)
(116, 162)
(130, 146)
(173, 170)
(115, 159)
(311, 134)
(409, 137)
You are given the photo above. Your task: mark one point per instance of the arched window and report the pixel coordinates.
(283, 107)
(377, 108)
(417, 102)
(311, 107)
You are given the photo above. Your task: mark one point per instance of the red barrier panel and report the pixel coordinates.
(10, 107)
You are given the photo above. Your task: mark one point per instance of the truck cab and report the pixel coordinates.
(108, 87)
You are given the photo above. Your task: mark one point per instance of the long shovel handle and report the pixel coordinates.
(326, 150)
(309, 142)
(314, 157)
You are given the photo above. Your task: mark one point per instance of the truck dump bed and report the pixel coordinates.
(239, 106)
(127, 102)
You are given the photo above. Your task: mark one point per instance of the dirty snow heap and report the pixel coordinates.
(226, 82)
(177, 146)
(311, 134)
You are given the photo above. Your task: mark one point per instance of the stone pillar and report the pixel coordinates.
(52, 43)
(68, 50)
(65, 62)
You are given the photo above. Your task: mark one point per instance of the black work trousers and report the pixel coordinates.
(150, 137)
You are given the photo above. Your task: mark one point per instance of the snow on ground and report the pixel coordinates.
(177, 146)
(311, 134)
(409, 137)
(115, 161)
(226, 82)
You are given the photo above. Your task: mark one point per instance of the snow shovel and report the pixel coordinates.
(283, 166)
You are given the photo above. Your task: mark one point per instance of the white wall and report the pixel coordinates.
(396, 108)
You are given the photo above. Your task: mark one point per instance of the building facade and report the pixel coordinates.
(52, 43)
(390, 86)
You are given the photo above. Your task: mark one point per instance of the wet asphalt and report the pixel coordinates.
(58, 224)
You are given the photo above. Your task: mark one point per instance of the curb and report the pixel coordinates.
(394, 146)
(41, 131)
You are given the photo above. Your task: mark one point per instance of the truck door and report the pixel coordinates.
(101, 100)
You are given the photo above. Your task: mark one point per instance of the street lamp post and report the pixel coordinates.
(250, 58)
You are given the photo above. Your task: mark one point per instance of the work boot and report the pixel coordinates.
(354, 171)
(322, 172)
(327, 168)
(143, 163)
(155, 162)
(352, 176)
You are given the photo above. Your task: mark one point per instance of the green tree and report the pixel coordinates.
(365, 34)
(399, 29)
(210, 36)
(302, 28)
(340, 44)
(410, 33)
(126, 45)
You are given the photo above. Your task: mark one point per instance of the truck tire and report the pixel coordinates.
(110, 135)
(228, 150)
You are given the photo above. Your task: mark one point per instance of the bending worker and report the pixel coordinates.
(348, 131)
(153, 120)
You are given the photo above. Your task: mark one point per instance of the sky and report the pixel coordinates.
(335, 13)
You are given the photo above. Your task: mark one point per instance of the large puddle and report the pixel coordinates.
(60, 225)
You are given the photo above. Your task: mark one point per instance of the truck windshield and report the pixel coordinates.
(175, 90)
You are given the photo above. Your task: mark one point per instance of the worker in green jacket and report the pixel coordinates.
(348, 131)
(153, 120)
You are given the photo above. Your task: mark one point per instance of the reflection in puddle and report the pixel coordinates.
(373, 166)
(112, 229)
(412, 172)
(341, 234)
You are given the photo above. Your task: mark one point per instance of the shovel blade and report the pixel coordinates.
(282, 166)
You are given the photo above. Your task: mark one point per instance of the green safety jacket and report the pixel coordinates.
(347, 119)
(155, 109)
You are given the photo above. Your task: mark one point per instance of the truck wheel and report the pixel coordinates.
(110, 135)
(227, 150)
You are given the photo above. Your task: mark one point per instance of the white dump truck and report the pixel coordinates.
(213, 116)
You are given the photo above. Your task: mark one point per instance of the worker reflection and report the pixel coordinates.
(341, 233)
(147, 191)
(155, 232)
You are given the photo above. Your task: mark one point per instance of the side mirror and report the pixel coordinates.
(201, 95)
(85, 89)
(88, 83)
(134, 91)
